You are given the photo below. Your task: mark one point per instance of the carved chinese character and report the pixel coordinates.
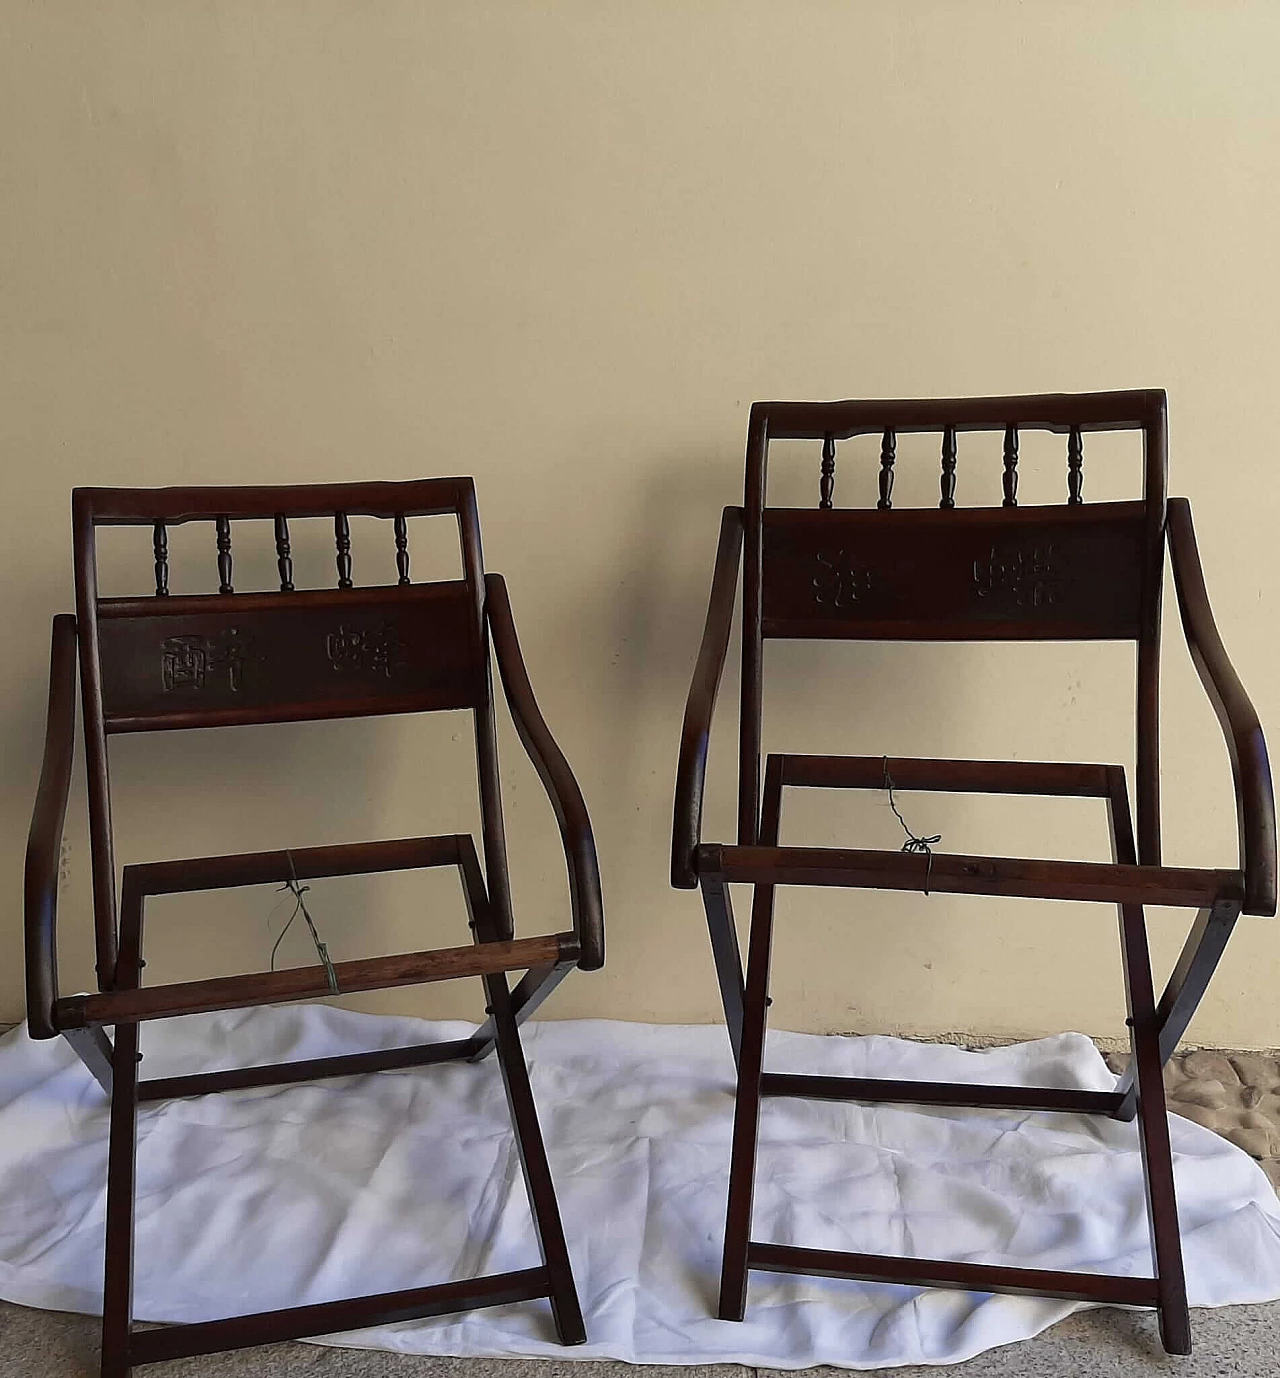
(192, 662)
(1030, 577)
(184, 662)
(378, 650)
(838, 583)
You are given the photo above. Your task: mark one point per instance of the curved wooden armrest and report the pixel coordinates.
(1255, 799)
(555, 774)
(44, 841)
(686, 828)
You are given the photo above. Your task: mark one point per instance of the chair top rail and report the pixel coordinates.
(136, 506)
(1056, 412)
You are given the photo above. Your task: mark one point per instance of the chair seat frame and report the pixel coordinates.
(122, 1003)
(1133, 879)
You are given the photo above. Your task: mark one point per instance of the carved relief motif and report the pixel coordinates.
(838, 584)
(378, 650)
(192, 662)
(1031, 576)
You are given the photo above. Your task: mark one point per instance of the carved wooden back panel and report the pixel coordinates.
(197, 662)
(1061, 573)
(1075, 571)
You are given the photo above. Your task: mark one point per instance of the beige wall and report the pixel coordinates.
(562, 247)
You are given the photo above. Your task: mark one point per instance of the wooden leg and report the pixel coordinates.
(92, 1046)
(746, 1118)
(728, 958)
(1153, 1134)
(1147, 1029)
(1191, 975)
(533, 1161)
(503, 1028)
(117, 1300)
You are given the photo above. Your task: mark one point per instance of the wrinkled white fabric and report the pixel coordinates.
(263, 1198)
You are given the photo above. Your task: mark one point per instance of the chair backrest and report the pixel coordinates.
(1073, 571)
(224, 658)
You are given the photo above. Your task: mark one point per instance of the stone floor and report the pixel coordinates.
(1235, 1094)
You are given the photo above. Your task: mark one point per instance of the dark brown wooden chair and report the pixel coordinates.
(1071, 572)
(163, 662)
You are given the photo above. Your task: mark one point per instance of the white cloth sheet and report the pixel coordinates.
(280, 1197)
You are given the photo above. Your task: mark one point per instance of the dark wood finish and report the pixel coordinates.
(342, 540)
(98, 779)
(284, 555)
(223, 526)
(879, 1091)
(888, 450)
(493, 829)
(695, 734)
(565, 1309)
(1147, 783)
(330, 1317)
(1066, 572)
(947, 483)
(402, 548)
(301, 863)
(746, 1119)
(1009, 480)
(313, 1069)
(921, 574)
(117, 1299)
(311, 983)
(1055, 412)
(970, 1277)
(1153, 1119)
(1246, 746)
(1095, 881)
(965, 777)
(272, 657)
(553, 770)
(752, 694)
(827, 482)
(227, 658)
(44, 841)
(430, 497)
(160, 549)
(718, 904)
(1075, 466)
(93, 1048)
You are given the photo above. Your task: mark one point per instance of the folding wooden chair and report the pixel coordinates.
(165, 662)
(1071, 572)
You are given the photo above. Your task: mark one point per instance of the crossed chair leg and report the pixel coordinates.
(1154, 1033)
(117, 1067)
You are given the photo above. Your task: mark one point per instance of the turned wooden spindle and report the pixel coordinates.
(888, 449)
(223, 527)
(1010, 467)
(827, 484)
(284, 557)
(160, 544)
(948, 481)
(342, 537)
(1075, 466)
(402, 547)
